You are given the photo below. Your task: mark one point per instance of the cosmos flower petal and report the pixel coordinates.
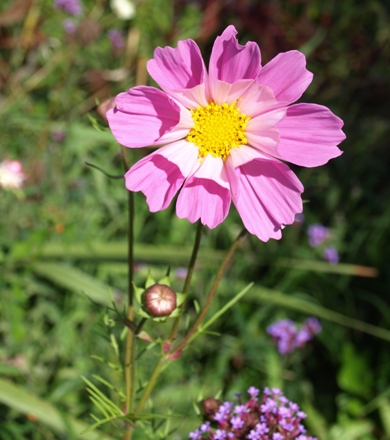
(181, 73)
(157, 178)
(232, 62)
(286, 75)
(270, 196)
(257, 99)
(147, 116)
(205, 195)
(309, 135)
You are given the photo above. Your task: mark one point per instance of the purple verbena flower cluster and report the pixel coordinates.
(273, 418)
(72, 7)
(288, 337)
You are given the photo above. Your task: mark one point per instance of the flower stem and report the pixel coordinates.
(187, 283)
(152, 382)
(212, 293)
(130, 355)
(158, 367)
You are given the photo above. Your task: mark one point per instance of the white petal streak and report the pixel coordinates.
(182, 153)
(256, 100)
(212, 168)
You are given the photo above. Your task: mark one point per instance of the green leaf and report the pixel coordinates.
(262, 294)
(74, 280)
(106, 251)
(384, 411)
(221, 311)
(354, 376)
(322, 266)
(26, 402)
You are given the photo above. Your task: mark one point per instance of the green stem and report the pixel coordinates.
(140, 325)
(187, 283)
(212, 293)
(130, 355)
(152, 382)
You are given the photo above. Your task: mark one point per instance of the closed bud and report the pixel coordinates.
(210, 408)
(159, 300)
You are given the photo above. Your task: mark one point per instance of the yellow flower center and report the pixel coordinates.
(217, 129)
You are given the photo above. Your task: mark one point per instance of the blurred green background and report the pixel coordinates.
(63, 236)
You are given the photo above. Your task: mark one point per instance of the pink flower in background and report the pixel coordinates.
(223, 134)
(11, 174)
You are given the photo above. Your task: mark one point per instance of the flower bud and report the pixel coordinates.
(210, 408)
(159, 300)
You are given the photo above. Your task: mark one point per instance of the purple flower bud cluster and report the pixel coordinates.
(331, 255)
(288, 337)
(116, 38)
(72, 7)
(273, 418)
(317, 234)
(70, 26)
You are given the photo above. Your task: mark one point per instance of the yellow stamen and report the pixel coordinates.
(217, 129)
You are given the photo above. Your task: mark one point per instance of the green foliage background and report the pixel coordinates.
(63, 238)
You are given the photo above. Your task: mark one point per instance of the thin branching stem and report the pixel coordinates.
(187, 283)
(165, 358)
(210, 297)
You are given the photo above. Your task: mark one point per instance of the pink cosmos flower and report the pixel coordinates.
(222, 134)
(11, 174)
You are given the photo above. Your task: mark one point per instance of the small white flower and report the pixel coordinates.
(123, 9)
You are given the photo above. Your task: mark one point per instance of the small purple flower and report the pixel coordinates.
(303, 336)
(269, 406)
(236, 422)
(205, 427)
(331, 255)
(313, 325)
(317, 234)
(181, 273)
(58, 135)
(254, 435)
(220, 434)
(253, 392)
(261, 428)
(194, 435)
(240, 409)
(116, 38)
(72, 7)
(69, 27)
